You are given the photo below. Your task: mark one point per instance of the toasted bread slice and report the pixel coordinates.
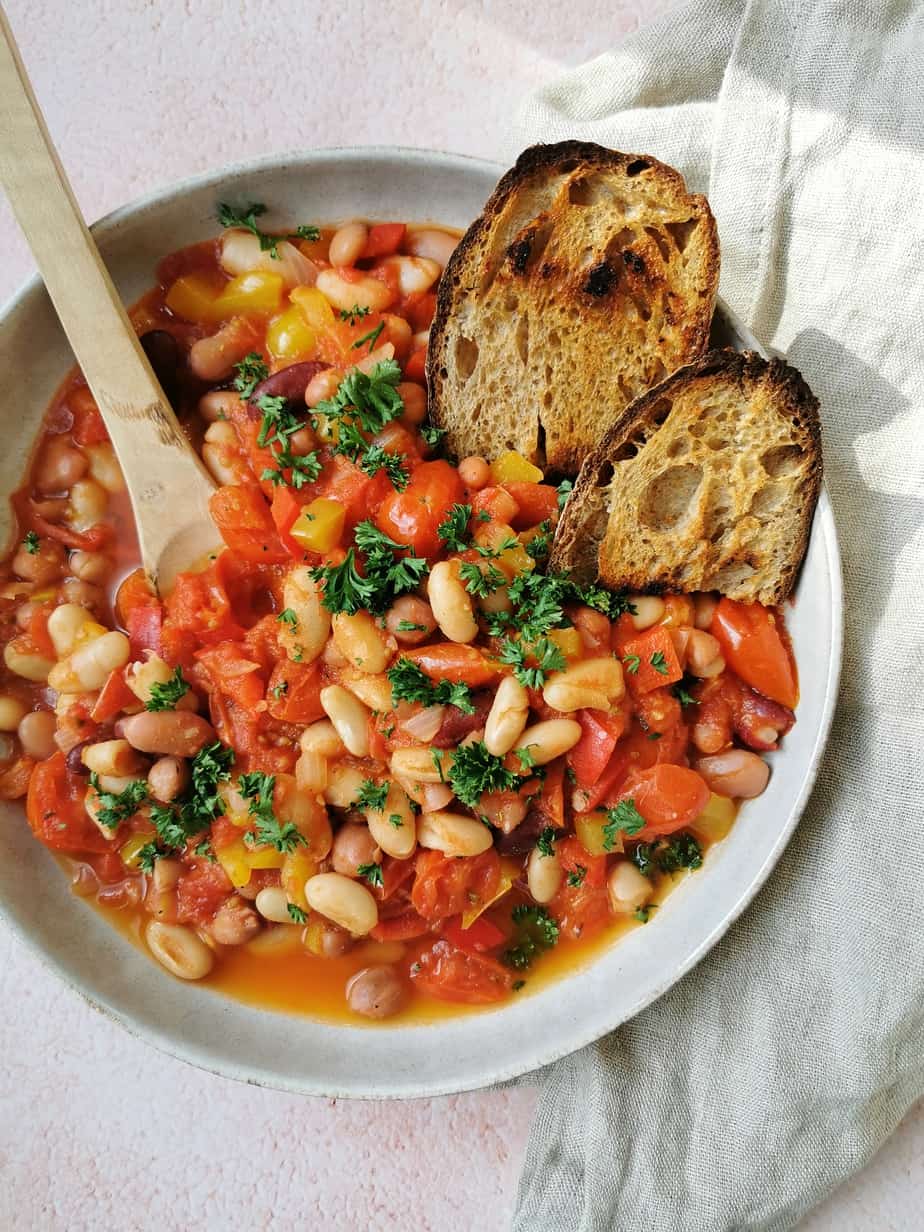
(707, 482)
(588, 278)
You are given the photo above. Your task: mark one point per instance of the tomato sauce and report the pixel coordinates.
(371, 760)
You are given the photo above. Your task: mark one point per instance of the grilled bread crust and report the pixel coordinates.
(589, 277)
(707, 482)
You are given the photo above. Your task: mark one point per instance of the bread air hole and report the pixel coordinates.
(521, 339)
(782, 461)
(466, 357)
(660, 243)
(588, 190)
(669, 497)
(637, 167)
(680, 232)
(768, 500)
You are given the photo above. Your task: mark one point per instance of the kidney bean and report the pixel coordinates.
(289, 383)
(521, 841)
(163, 353)
(456, 724)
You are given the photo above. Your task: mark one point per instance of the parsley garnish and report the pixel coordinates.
(372, 337)
(476, 771)
(377, 458)
(115, 807)
(577, 875)
(250, 370)
(545, 842)
(538, 546)
(296, 914)
(165, 696)
(657, 661)
(395, 820)
(624, 818)
(564, 489)
(148, 855)
(278, 425)
(453, 530)
(536, 931)
(204, 851)
(410, 684)
(372, 873)
(288, 617)
(686, 699)
(247, 216)
(681, 851)
(643, 914)
(178, 822)
(386, 576)
(31, 542)
(408, 626)
(432, 434)
(258, 788)
(632, 664)
(480, 580)
(354, 314)
(547, 655)
(372, 795)
(280, 690)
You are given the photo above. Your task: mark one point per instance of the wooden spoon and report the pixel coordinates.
(168, 485)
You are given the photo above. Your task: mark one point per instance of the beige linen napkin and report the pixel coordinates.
(786, 1058)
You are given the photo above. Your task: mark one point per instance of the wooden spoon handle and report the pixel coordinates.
(168, 484)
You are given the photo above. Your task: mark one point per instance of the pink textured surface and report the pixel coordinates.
(96, 1129)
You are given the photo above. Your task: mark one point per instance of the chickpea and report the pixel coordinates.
(92, 567)
(59, 467)
(42, 566)
(353, 846)
(414, 397)
(235, 922)
(167, 778)
(219, 405)
(474, 472)
(375, 992)
(36, 733)
(88, 504)
(83, 594)
(409, 610)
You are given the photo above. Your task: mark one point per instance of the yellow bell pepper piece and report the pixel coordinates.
(265, 857)
(131, 849)
(716, 819)
(254, 294)
(89, 631)
(288, 337)
(297, 867)
(192, 297)
(233, 859)
(319, 525)
(313, 306)
(589, 830)
(568, 642)
(510, 870)
(512, 467)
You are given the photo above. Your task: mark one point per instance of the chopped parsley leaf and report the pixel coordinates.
(453, 530)
(576, 875)
(371, 873)
(148, 855)
(564, 489)
(408, 626)
(657, 661)
(246, 217)
(475, 771)
(372, 338)
(296, 915)
(548, 658)
(536, 931)
(432, 434)
(632, 664)
(623, 819)
(165, 696)
(409, 683)
(31, 542)
(112, 808)
(386, 575)
(258, 789)
(680, 692)
(250, 371)
(481, 580)
(372, 795)
(545, 842)
(288, 617)
(354, 314)
(395, 820)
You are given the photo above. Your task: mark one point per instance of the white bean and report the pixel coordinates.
(421, 765)
(321, 737)
(344, 784)
(415, 274)
(704, 655)
(11, 712)
(628, 889)
(361, 642)
(112, 757)
(344, 901)
(507, 717)
(550, 739)
(179, 950)
(436, 245)
(737, 773)
(88, 503)
(648, 610)
(172, 733)
(591, 684)
(304, 639)
(93, 567)
(451, 602)
(273, 905)
(65, 624)
(394, 827)
(347, 243)
(28, 664)
(349, 716)
(543, 875)
(88, 666)
(454, 834)
(704, 605)
(104, 467)
(241, 253)
(218, 405)
(365, 292)
(372, 691)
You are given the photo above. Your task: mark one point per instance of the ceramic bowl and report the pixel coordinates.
(297, 1053)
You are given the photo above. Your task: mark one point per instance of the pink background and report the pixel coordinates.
(96, 1128)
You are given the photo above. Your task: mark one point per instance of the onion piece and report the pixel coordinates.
(424, 725)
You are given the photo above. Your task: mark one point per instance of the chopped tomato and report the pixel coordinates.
(134, 591)
(293, 693)
(451, 974)
(233, 673)
(657, 712)
(480, 935)
(419, 309)
(245, 523)
(14, 778)
(88, 428)
(599, 734)
(416, 367)
(536, 502)
(448, 885)
(144, 625)
(55, 809)
(412, 517)
(384, 239)
(580, 906)
(200, 892)
(352, 488)
(668, 797)
(38, 631)
(453, 661)
(650, 661)
(403, 927)
(285, 509)
(551, 800)
(755, 650)
(497, 503)
(114, 697)
(198, 610)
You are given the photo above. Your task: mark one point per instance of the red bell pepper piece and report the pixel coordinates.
(480, 935)
(650, 661)
(384, 239)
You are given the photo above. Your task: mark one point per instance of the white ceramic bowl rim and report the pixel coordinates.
(468, 1052)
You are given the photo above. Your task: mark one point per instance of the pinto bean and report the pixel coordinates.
(167, 778)
(376, 992)
(59, 467)
(43, 566)
(235, 922)
(36, 733)
(173, 733)
(353, 846)
(409, 610)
